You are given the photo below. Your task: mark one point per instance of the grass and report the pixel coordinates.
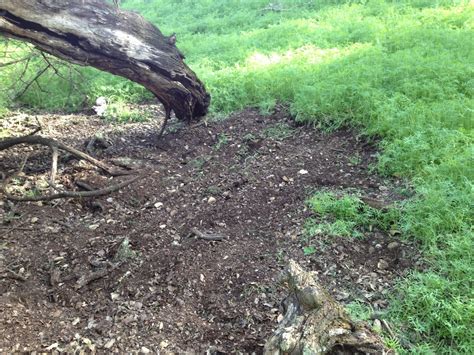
(279, 131)
(400, 70)
(120, 112)
(346, 216)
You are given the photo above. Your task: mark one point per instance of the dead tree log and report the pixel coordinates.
(314, 323)
(93, 33)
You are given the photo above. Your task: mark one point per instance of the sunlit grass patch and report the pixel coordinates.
(346, 215)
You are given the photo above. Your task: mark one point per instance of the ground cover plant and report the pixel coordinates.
(397, 70)
(348, 216)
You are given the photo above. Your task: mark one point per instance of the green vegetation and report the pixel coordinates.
(222, 140)
(359, 311)
(279, 131)
(309, 250)
(120, 112)
(124, 251)
(399, 69)
(346, 216)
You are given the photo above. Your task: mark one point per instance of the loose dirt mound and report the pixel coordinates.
(245, 178)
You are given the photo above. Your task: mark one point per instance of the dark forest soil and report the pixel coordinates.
(245, 178)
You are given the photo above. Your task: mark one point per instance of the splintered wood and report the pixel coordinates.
(314, 323)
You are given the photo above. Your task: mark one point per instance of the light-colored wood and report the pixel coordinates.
(314, 323)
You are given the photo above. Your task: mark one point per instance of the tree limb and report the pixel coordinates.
(123, 43)
(55, 146)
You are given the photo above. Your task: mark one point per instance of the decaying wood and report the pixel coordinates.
(95, 275)
(314, 323)
(96, 34)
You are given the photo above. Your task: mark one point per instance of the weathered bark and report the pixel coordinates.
(90, 32)
(314, 323)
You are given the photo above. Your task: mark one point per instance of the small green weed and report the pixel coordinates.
(249, 137)
(33, 192)
(355, 159)
(359, 311)
(198, 163)
(267, 106)
(125, 252)
(214, 190)
(222, 140)
(280, 256)
(278, 132)
(309, 250)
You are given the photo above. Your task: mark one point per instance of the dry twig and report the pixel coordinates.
(7, 273)
(55, 146)
(10, 142)
(74, 194)
(95, 275)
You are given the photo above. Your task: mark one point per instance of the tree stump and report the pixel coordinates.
(314, 323)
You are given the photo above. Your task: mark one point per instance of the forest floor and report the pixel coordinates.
(245, 178)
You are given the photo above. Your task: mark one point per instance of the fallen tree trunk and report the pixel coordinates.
(314, 323)
(93, 33)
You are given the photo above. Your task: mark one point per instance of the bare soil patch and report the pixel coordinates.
(243, 178)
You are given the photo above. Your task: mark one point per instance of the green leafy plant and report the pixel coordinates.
(309, 250)
(359, 311)
(125, 251)
(355, 159)
(198, 163)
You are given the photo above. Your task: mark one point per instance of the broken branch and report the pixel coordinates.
(95, 275)
(10, 142)
(206, 236)
(73, 194)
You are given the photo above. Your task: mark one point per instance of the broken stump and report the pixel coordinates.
(314, 323)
